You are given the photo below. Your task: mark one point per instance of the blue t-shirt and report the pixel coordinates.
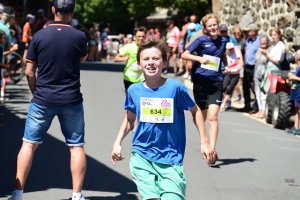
(4, 28)
(251, 47)
(205, 45)
(160, 142)
(57, 50)
(231, 39)
(295, 90)
(198, 28)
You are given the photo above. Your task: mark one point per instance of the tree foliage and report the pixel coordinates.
(122, 12)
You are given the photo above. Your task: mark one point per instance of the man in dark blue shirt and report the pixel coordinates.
(57, 52)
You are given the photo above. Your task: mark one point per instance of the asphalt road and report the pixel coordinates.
(256, 162)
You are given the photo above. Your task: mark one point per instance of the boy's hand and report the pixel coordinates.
(208, 153)
(116, 154)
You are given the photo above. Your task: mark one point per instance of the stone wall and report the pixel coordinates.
(267, 14)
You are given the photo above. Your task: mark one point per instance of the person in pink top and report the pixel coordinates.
(173, 37)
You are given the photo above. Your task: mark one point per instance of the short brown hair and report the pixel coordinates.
(156, 43)
(207, 17)
(139, 29)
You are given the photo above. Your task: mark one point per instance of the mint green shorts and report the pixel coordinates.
(155, 180)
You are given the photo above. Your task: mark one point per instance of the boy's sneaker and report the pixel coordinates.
(81, 198)
(15, 196)
(166, 71)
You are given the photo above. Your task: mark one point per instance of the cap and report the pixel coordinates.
(8, 10)
(251, 27)
(41, 10)
(191, 26)
(64, 6)
(229, 45)
(169, 22)
(30, 16)
(1, 7)
(223, 27)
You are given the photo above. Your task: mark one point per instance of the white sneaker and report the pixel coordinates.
(186, 75)
(81, 198)
(15, 196)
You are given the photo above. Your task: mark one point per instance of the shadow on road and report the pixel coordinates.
(232, 161)
(119, 197)
(51, 162)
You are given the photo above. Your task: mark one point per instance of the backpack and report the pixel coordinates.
(285, 64)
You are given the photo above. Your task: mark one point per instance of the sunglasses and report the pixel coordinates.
(140, 36)
(237, 33)
(223, 31)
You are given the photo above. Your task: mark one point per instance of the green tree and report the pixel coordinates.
(124, 13)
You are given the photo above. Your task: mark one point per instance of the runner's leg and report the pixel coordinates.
(213, 111)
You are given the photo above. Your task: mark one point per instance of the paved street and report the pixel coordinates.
(256, 162)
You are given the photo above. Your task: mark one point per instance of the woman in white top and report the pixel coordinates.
(235, 64)
(275, 57)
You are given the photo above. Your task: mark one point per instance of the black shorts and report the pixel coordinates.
(127, 84)
(171, 50)
(230, 82)
(207, 92)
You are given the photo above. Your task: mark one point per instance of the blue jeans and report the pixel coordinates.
(71, 119)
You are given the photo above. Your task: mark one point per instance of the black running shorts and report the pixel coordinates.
(207, 92)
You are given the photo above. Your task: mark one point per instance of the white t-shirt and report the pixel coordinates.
(233, 58)
(278, 51)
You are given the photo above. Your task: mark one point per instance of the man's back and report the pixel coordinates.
(57, 50)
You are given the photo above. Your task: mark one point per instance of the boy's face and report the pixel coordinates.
(140, 36)
(2, 39)
(151, 62)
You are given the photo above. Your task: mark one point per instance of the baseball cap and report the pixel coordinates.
(64, 6)
(8, 10)
(30, 16)
(169, 22)
(251, 27)
(229, 45)
(1, 8)
(191, 26)
(223, 27)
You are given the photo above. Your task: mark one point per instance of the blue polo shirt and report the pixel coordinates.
(205, 45)
(251, 47)
(57, 50)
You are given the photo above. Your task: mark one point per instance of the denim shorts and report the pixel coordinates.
(39, 118)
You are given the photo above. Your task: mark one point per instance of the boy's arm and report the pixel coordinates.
(126, 126)
(30, 74)
(3, 66)
(207, 152)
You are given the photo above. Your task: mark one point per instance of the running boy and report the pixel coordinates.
(132, 73)
(295, 95)
(159, 139)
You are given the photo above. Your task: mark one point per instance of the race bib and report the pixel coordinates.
(157, 110)
(134, 71)
(213, 64)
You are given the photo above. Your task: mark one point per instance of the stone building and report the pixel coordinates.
(267, 14)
